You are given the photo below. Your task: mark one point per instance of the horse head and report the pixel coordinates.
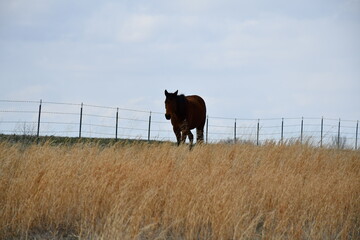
(170, 103)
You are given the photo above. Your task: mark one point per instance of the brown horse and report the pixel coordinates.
(186, 113)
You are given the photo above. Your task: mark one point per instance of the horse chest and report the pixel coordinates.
(182, 125)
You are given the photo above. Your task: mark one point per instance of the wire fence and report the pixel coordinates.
(42, 118)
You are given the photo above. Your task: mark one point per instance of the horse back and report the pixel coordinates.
(196, 112)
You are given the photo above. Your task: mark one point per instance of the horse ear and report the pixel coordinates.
(176, 92)
(166, 93)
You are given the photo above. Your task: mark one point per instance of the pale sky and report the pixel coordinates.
(247, 59)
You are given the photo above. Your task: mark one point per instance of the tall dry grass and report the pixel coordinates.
(160, 191)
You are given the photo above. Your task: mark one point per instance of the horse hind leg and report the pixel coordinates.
(199, 135)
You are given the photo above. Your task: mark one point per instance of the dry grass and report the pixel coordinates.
(159, 191)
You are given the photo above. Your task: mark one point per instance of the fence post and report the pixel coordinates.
(282, 129)
(257, 132)
(81, 113)
(321, 131)
(207, 128)
(235, 131)
(38, 126)
(338, 138)
(302, 129)
(149, 127)
(117, 122)
(356, 136)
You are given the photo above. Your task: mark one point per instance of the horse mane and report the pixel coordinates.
(181, 103)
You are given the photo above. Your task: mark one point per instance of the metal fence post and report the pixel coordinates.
(338, 138)
(302, 129)
(321, 131)
(207, 128)
(235, 131)
(117, 123)
(282, 129)
(81, 114)
(38, 126)
(149, 127)
(257, 132)
(356, 136)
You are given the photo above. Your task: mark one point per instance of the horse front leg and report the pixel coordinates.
(184, 134)
(177, 132)
(185, 131)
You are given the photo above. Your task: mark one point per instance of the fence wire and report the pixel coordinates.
(43, 118)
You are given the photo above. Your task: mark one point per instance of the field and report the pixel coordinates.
(160, 191)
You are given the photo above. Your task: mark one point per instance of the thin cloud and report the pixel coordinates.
(249, 58)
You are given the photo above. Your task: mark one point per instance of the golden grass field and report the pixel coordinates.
(160, 191)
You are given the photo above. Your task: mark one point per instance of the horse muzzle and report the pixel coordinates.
(167, 116)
